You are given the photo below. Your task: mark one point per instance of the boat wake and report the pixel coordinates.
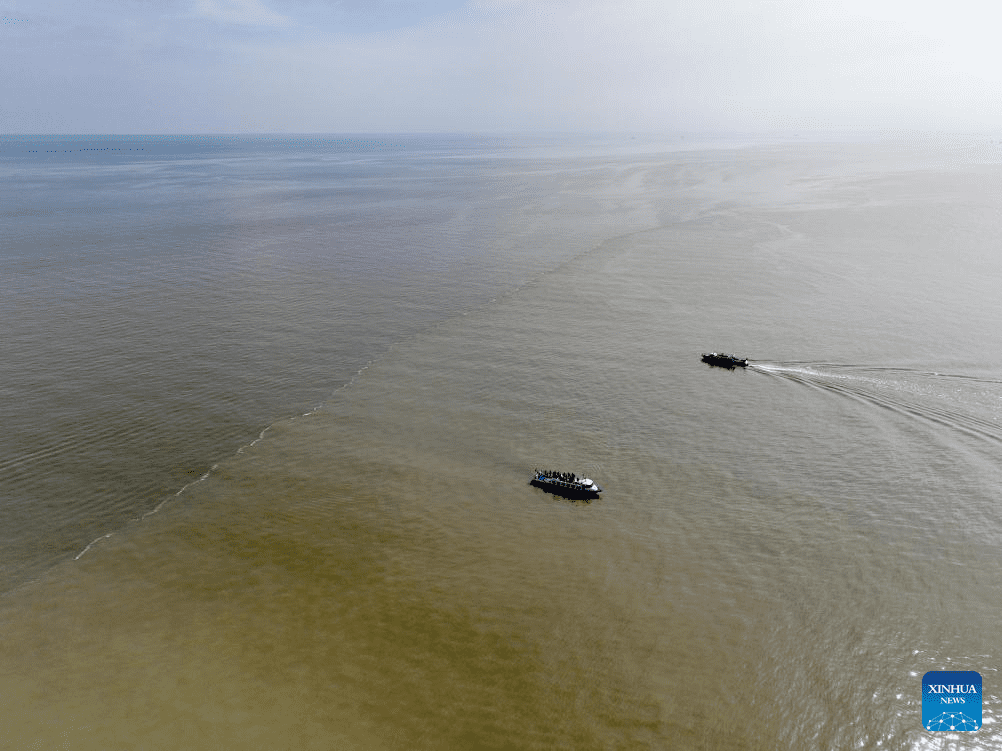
(969, 404)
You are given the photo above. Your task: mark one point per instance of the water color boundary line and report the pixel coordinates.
(602, 245)
(213, 468)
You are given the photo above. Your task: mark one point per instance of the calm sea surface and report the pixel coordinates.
(271, 405)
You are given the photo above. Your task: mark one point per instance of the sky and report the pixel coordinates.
(353, 66)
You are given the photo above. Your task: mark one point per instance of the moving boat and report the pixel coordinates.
(722, 360)
(566, 484)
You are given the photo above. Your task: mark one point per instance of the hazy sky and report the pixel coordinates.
(155, 66)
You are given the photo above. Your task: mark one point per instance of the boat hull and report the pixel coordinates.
(721, 360)
(566, 489)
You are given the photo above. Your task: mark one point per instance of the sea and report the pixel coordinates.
(271, 405)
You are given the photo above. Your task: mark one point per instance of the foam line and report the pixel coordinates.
(214, 467)
(91, 544)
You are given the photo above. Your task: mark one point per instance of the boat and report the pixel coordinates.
(566, 484)
(722, 360)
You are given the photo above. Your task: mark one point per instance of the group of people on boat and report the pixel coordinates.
(565, 476)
